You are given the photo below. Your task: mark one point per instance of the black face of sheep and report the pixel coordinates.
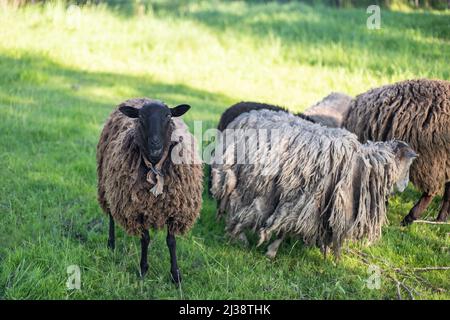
(153, 127)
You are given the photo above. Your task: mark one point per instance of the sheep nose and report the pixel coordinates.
(154, 143)
(155, 146)
(155, 150)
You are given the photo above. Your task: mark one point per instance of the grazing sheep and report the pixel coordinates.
(149, 174)
(241, 107)
(331, 110)
(308, 180)
(417, 112)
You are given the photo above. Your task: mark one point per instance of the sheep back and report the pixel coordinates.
(331, 110)
(414, 111)
(241, 107)
(123, 190)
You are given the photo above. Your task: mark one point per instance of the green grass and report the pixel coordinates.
(60, 76)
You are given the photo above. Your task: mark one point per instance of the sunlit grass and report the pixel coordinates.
(61, 73)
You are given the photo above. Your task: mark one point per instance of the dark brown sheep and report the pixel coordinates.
(417, 112)
(141, 182)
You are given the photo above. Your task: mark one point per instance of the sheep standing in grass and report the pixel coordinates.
(304, 179)
(417, 112)
(149, 174)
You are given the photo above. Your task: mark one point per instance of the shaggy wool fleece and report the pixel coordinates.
(123, 190)
(318, 183)
(417, 112)
(331, 110)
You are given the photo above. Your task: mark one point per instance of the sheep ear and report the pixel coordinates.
(129, 111)
(179, 110)
(404, 151)
(410, 154)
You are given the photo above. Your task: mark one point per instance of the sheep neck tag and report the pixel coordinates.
(155, 173)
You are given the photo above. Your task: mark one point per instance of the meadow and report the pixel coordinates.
(62, 71)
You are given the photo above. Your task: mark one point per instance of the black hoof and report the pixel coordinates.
(144, 270)
(407, 220)
(442, 218)
(176, 276)
(111, 245)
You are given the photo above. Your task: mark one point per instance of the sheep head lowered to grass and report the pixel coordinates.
(143, 182)
(314, 182)
(417, 112)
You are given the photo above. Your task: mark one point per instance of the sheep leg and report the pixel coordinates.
(418, 209)
(219, 212)
(209, 175)
(272, 249)
(172, 245)
(243, 239)
(221, 204)
(112, 235)
(445, 209)
(145, 241)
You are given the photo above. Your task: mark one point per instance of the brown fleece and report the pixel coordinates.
(417, 112)
(331, 110)
(123, 189)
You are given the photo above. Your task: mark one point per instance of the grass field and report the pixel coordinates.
(63, 71)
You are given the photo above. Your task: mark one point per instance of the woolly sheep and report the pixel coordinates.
(242, 107)
(417, 112)
(245, 106)
(331, 110)
(314, 182)
(149, 174)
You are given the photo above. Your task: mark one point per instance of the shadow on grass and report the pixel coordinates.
(341, 35)
(33, 80)
(317, 23)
